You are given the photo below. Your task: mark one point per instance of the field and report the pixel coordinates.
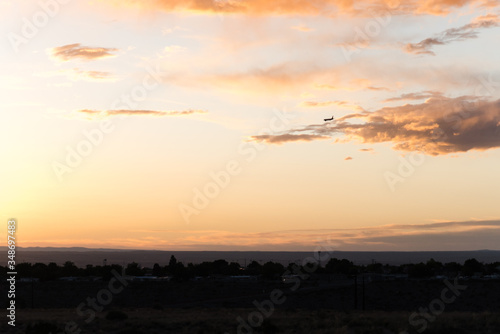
(221, 320)
(252, 307)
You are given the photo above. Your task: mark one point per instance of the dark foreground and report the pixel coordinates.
(197, 321)
(321, 306)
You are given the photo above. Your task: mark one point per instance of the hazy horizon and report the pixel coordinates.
(82, 257)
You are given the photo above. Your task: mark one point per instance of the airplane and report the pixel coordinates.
(329, 119)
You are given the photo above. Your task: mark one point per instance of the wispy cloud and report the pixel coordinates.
(415, 96)
(438, 126)
(77, 51)
(286, 138)
(377, 88)
(458, 235)
(139, 112)
(462, 33)
(342, 104)
(76, 74)
(443, 236)
(354, 85)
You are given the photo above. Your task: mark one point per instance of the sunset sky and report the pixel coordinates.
(199, 124)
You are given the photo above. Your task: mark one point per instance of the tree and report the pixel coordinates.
(133, 269)
(172, 263)
(453, 268)
(434, 266)
(419, 270)
(220, 267)
(69, 269)
(157, 271)
(472, 266)
(254, 268)
(272, 270)
(336, 266)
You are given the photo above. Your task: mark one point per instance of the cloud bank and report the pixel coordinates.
(436, 236)
(304, 7)
(437, 127)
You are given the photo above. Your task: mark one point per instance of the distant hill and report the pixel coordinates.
(82, 256)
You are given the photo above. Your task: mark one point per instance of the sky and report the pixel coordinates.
(202, 124)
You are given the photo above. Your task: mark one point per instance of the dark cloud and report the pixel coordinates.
(74, 51)
(438, 126)
(448, 235)
(462, 33)
(348, 158)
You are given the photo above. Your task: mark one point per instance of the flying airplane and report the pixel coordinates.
(329, 119)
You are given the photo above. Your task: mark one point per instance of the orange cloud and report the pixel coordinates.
(304, 7)
(438, 126)
(93, 75)
(451, 235)
(286, 138)
(75, 51)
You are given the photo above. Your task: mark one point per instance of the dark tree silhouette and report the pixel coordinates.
(157, 270)
(472, 266)
(133, 269)
(336, 266)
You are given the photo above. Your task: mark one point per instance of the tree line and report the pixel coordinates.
(269, 270)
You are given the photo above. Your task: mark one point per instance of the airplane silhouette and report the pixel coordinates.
(329, 119)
